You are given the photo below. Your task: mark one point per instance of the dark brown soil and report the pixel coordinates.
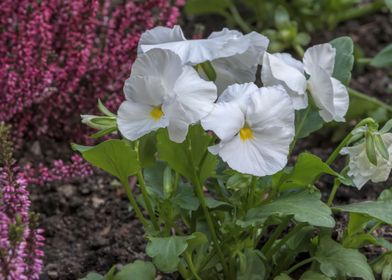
(88, 225)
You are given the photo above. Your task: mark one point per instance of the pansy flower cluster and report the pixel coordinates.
(168, 88)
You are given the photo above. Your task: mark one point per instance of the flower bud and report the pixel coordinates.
(370, 149)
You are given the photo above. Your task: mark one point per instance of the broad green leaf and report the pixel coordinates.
(386, 196)
(198, 239)
(307, 122)
(137, 270)
(213, 203)
(154, 178)
(356, 223)
(114, 156)
(376, 209)
(147, 150)
(339, 262)
(305, 206)
(254, 266)
(165, 251)
(238, 181)
(177, 155)
(186, 199)
(200, 7)
(306, 170)
(344, 59)
(383, 58)
(313, 275)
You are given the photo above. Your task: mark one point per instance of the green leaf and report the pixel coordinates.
(313, 275)
(200, 7)
(385, 195)
(105, 110)
(388, 3)
(306, 170)
(198, 239)
(114, 156)
(238, 181)
(283, 276)
(305, 206)
(147, 150)
(384, 57)
(186, 199)
(165, 251)
(213, 203)
(383, 266)
(137, 270)
(254, 268)
(282, 17)
(311, 123)
(93, 276)
(154, 178)
(381, 210)
(177, 154)
(339, 262)
(344, 59)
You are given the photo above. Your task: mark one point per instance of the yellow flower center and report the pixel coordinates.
(246, 133)
(156, 113)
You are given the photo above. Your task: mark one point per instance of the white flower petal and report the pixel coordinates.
(193, 100)
(160, 34)
(196, 95)
(321, 88)
(239, 93)
(163, 64)
(276, 71)
(321, 55)
(220, 44)
(290, 60)
(134, 120)
(225, 120)
(147, 90)
(340, 100)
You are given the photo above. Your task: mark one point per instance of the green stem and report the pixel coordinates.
(361, 95)
(377, 225)
(203, 204)
(335, 188)
(150, 210)
(357, 12)
(133, 202)
(252, 192)
(192, 268)
(238, 19)
(299, 127)
(182, 271)
(278, 231)
(300, 51)
(284, 240)
(298, 265)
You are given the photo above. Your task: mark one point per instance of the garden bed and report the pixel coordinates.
(88, 225)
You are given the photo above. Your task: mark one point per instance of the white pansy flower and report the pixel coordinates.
(328, 93)
(234, 56)
(161, 92)
(255, 126)
(361, 170)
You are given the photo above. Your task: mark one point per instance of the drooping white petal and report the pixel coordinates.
(322, 55)
(193, 100)
(284, 70)
(163, 64)
(290, 60)
(340, 100)
(134, 120)
(223, 44)
(147, 90)
(360, 168)
(225, 120)
(321, 88)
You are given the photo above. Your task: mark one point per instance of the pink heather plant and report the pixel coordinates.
(21, 241)
(58, 57)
